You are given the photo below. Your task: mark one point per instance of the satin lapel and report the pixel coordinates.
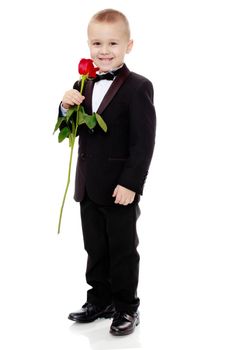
(88, 90)
(118, 81)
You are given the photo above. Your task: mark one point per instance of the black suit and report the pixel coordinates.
(120, 156)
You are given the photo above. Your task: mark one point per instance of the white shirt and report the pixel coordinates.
(100, 89)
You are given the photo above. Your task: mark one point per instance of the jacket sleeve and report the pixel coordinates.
(141, 138)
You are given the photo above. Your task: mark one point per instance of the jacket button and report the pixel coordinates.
(82, 155)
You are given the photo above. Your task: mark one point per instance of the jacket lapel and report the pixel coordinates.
(115, 86)
(118, 81)
(88, 95)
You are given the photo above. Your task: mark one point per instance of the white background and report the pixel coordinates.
(185, 49)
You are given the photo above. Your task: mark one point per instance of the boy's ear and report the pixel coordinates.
(129, 46)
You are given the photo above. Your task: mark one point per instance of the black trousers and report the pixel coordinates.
(110, 239)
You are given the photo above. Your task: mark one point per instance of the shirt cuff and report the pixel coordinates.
(63, 110)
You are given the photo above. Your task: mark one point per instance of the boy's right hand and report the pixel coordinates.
(72, 97)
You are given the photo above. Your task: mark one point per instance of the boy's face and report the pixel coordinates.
(108, 43)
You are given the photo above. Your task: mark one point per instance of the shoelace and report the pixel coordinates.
(117, 314)
(122, 315)
(88, 306)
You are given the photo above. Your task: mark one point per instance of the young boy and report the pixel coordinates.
(111, 171)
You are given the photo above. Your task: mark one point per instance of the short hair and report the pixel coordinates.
(111, 16)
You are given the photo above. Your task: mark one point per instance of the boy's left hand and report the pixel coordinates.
(123, 195)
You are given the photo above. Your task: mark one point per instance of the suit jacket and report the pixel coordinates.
(123, 154)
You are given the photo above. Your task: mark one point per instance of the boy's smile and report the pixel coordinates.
(108, 43)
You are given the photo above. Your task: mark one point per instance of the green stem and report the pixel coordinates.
(72, 143)
(84, 77)
(67, 184)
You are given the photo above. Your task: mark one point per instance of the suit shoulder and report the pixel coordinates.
(139, 79)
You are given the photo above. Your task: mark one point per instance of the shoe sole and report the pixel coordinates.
(100, 315)
(126, 332)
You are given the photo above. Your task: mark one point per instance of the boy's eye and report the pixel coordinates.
(113, 43)
(96, 43)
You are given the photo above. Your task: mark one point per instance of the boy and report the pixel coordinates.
(111, 171)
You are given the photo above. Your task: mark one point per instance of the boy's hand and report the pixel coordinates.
(72, 97)
(123, 195)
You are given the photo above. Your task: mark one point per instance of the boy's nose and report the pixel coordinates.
(104, 49)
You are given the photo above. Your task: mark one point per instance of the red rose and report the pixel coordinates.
(86, 67)
(79, 116)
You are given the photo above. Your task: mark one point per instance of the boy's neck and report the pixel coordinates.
(112, 70)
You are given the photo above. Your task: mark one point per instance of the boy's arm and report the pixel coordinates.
(71, 97)
(141, 139)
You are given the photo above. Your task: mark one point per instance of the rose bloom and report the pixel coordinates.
(86, 67)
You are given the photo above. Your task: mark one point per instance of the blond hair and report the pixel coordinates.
(111, 16)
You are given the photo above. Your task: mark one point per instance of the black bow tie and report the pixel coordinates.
(108, 76)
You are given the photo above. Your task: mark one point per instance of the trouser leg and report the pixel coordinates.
(96, 245)
(110, 239)
(124, 257)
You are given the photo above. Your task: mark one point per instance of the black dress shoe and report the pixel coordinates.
(90, 312)
(123, 323)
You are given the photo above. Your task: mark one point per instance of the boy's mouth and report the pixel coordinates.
(104, 59)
